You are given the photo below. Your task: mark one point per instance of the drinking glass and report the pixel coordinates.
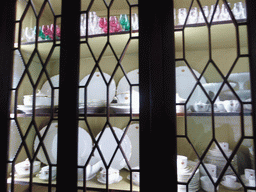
(174, 16)
(193, 16)
(224, 14)
(216, 15)
(114, 24)
(83, 25)
(239, 11)
(103, 24)
(124, 22)
(201, 17)
(92, 23)
(29, 34)
(135, 22)
(182, 14)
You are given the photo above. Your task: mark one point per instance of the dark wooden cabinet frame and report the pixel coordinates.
(157, 90)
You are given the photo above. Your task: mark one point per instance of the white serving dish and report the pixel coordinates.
(41, 100)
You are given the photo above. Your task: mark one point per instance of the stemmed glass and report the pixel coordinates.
(93, 23)
(239, 11)
(224, 14)
(182, 14)
(29, 34)
(135, 22)
(114, 24)
(216, 15)
(103, 24)
(124, 22)
(83, 25)
(201, 17)
(193, 16)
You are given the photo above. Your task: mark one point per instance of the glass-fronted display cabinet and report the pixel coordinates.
(107, 108)
(215, 139)
(98, 87)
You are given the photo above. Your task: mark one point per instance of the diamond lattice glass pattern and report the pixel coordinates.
(33, 125)
(109, 93)
(215, 121)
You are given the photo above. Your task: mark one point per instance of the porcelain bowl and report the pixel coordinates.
(23, 168)
(201, 107)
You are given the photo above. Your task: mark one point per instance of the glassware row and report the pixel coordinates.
(221, 14)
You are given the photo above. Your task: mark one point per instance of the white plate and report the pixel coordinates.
(47, 89)
(133, 134)
(123, 108)
(123, 85)
(108, 144)
(104, 182)
(185, 83)
(51, 139)
(234, 187)
(97, 88)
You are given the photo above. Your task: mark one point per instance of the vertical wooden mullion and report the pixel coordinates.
(157, 94)
(7, 20)
(68, 97)
(251, 19)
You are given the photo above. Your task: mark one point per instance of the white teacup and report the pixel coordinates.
(136, 176)
(113, 175)
(231, 105)
(201, 107)
(182, 161)
(252, 181)
(220, 106)
(249, 173)
(229, 180)
(224, 146)
(123, 98)
(45, 172)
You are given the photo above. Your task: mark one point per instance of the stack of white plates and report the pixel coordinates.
(185, 174)
(215, 157)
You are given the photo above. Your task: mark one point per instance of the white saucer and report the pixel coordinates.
(104, 182)
(134, 181)
(234, 187)
(46, 179)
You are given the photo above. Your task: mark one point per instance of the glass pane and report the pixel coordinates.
(213, 101)
(109, 95)
(33, 118)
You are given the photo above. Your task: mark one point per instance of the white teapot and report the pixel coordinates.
(91, 169)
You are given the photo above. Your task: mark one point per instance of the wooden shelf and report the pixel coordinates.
(117, 40)
(123, 185)
(247, 113)
(48, 112)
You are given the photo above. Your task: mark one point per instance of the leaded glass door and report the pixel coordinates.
(215, 139)
(99, 121)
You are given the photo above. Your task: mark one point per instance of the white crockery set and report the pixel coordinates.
(96, 93)
(198, 102)
(215, 157)
(185, 170)
(107, 145)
